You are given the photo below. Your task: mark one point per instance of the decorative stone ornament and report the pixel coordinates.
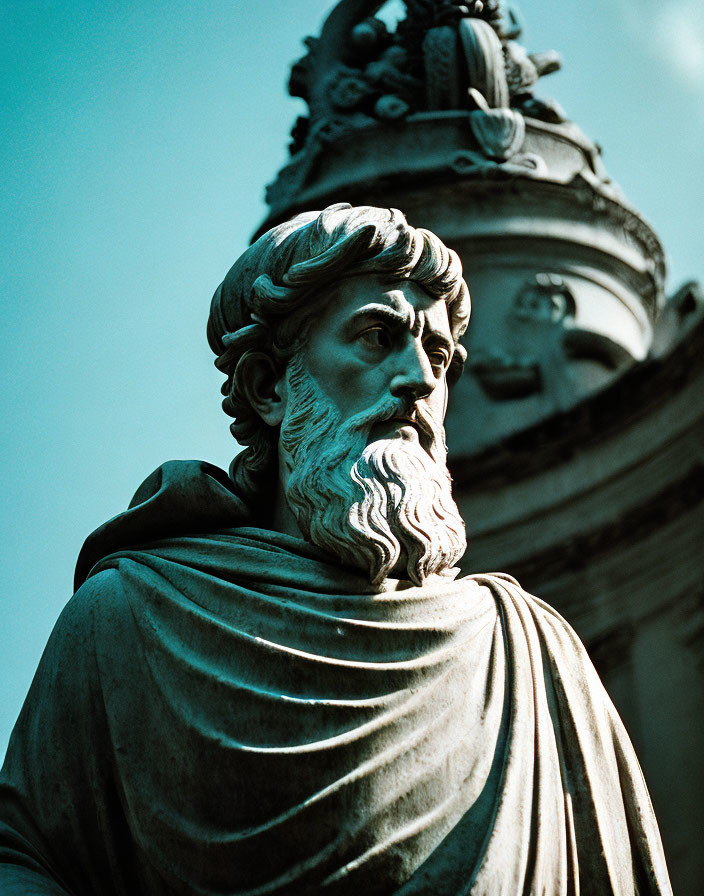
(484, 57)
(439, 116)
(499, 132)
(441, 58)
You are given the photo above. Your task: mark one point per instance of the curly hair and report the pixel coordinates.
(272, 293)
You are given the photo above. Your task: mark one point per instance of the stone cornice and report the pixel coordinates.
(638, 522)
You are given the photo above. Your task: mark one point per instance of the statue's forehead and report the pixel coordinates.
(405, 298)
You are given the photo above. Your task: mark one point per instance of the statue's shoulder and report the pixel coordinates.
(493, 581)
(509, 594)
(68, 673)
(98, 607)
(496, 586)
(531, 621)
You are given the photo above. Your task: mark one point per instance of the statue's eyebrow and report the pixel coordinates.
(385, 312)
(397, 317)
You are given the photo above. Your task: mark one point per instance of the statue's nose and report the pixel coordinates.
(414, 376)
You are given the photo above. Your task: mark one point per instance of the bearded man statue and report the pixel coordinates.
(275, 682)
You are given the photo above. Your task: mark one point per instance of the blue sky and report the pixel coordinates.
(138, 139)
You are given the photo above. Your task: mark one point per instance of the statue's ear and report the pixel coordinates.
(264, 385)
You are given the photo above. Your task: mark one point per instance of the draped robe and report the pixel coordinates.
(225, 709)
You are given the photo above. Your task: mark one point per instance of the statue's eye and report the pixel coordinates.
(376, 337)
(439, 359)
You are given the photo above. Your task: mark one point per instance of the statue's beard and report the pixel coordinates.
(386, 506)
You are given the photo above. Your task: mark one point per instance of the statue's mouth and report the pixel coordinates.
(406, 425)
(395, 425)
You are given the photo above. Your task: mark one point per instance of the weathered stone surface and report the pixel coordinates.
(275, 682)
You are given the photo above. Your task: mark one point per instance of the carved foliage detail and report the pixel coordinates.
(484, 59)
(499, 132)
(440, 57)
(359, 72)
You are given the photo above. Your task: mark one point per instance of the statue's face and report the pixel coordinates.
(361, 447)
(379, 339)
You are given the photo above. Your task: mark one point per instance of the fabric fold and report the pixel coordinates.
(230, 712)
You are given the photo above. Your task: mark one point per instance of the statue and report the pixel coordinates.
(274, 682)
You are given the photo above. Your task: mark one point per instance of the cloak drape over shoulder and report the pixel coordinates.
(224, 710)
